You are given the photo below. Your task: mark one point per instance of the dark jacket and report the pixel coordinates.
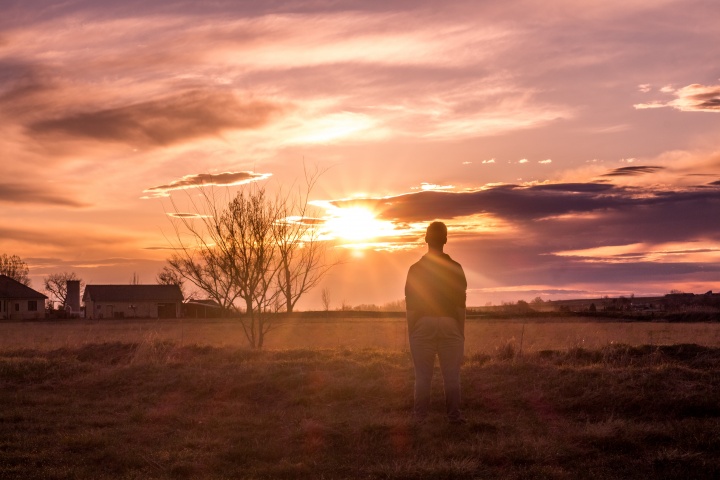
(435, 286)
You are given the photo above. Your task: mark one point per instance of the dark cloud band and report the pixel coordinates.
(163, 122)
(225, 179)
(633, 171)
(18, 193)
(564, 216)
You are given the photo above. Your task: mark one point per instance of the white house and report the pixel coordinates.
(133, 301)
(20, 302)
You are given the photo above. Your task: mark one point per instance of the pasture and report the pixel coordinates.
(356, 333)
(186, 400)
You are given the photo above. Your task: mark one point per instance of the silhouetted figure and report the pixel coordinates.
(435, 301)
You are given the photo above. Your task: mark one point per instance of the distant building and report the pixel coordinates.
(72, 297)
(20, 302)
(203, 309)
(132, 301)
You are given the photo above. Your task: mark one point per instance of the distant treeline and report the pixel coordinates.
(674, 307)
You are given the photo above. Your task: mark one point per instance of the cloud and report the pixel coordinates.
(524, 160)
(14, 74)
(433, 186)
(492, 160)
(225, 179)
(187, 215)
(692, 98)
(597, 188)
(621, 127)
(529, 230)
(634, 252)
(546, 161)
(649, 106)
(506, 201)
(22, 193)
(633, 171)
(83, 80)
(40, 238)
(48, 263)
(572, 214)
(162, 122)
(373, 89)
(697, 98)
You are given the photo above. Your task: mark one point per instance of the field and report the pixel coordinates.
(356, 333)
(182, 399)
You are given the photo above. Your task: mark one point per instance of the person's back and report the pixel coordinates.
(435, 303)
(436, 286)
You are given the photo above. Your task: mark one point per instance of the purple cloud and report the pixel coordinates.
(225, 179)
(162, 122)
(633, 171)
(20, 193)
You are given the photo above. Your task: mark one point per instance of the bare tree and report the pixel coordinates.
(198, 258)
(56, 285)
(170, 276)
(15, 268)
(249, 252)
(537, 301)
(325, 299)
(135, 280)
(302, 255)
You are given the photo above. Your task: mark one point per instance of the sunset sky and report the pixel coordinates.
(573, 151)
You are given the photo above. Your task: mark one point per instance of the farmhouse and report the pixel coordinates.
(20, 302)
(134, 301)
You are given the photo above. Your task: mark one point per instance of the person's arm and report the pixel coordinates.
(461, 310)
(412, 318)
(461, 319)
(411, 313)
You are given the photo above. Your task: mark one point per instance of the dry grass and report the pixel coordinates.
(158, 409)
(390, 334)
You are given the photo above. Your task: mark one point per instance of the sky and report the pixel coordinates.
(572, 148)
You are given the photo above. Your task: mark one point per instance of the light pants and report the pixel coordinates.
(439, 336)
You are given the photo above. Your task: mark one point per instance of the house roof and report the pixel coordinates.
(132, 293)
(11, 288)
(204, 303)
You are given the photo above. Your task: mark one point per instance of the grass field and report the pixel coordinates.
(384, 333)
(101, 401)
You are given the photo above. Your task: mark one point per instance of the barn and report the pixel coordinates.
(132, 301)
(204, 309)
(20, 302)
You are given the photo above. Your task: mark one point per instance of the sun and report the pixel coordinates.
(356, 224)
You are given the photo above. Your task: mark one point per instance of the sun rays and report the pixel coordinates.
(357, 225)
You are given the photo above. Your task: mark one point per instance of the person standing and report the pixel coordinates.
(435, 294)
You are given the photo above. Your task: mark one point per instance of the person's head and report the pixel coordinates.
(436, 235)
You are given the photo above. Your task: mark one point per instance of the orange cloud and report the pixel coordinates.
(692, 98)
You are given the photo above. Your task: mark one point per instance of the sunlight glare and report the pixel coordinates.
(356, 225)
